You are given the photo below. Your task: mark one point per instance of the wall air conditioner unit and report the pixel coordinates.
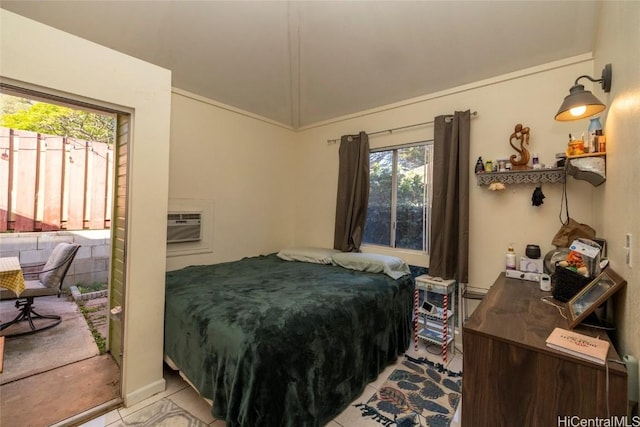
(184, 227)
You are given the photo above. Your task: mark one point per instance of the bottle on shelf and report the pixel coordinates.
(510, 258)
(479, 165)
(488, 166)
(595, 129)
(535, 161)
(602, 143)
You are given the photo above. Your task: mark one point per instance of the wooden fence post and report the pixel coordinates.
(53, 183)
(6, 170)
(25, 190)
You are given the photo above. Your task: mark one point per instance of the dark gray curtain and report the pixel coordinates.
(353, 192)
(449, 245)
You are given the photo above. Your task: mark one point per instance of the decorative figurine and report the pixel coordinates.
(521, 134)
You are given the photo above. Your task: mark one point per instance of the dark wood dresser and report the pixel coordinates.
(511, 378)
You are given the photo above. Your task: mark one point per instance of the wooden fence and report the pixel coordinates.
(53, 183)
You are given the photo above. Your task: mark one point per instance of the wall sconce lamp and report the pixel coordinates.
(582, 103)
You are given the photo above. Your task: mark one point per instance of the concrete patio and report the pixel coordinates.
(59, 370)
(66, 343)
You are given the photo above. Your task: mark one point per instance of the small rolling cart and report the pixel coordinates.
(434, 315)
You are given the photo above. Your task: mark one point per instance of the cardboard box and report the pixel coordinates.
(590, 253)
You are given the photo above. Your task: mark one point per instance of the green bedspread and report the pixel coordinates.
(283, 343)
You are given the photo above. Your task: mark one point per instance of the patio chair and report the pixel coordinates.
(48, 281)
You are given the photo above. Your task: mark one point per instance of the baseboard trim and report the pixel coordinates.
(89, 414)
(143, 393)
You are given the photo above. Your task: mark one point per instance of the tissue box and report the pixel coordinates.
(531, 265)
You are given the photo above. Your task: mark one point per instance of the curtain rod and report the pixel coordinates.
(333, 141)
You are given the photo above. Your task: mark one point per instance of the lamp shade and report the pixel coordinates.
(579, 104)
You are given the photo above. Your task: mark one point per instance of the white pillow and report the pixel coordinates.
(308, 254)
(393, 267)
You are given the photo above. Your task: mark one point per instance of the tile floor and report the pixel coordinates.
(178, 392)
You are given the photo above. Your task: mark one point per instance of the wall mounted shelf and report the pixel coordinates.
(527, 176)
(589, 167)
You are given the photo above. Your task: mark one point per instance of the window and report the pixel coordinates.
(398, 214)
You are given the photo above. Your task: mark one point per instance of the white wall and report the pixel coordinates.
(530, 97)
(40, 57)
(240, 167)
(617, 203)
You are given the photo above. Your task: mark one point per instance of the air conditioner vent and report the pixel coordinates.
(183, 227)
(183, 216)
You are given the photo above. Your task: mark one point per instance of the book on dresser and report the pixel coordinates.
(579, 345)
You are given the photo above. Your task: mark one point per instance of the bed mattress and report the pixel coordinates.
(283, 343)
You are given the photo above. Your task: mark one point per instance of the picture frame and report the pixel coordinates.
(596, 292)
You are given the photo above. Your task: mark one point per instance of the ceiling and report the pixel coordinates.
(300, 63)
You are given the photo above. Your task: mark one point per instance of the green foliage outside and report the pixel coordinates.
(92, 287)
(89, 313)
(24, 114)
(410, 212)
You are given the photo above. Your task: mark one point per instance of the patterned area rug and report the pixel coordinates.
(419, 394)
(163, 413)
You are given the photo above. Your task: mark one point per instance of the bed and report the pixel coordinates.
(283, 343)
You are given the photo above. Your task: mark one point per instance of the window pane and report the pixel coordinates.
(410, 214)
(377, 230)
